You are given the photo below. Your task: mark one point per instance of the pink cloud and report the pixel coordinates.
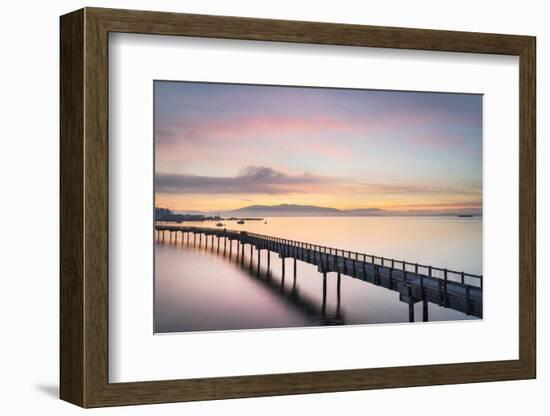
(237, 128)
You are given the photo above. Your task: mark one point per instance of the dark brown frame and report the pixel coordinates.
(84, 209)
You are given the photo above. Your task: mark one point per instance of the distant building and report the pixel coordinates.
(164, 214)
(161, 212)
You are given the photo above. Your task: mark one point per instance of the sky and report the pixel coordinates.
(225, 146)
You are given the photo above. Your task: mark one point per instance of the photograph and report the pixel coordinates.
(293, 206)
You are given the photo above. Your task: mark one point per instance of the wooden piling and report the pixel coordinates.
(411, 304)
(467, 301)
(424, 311)
(324, 293)
(338, 284)
(445, 277)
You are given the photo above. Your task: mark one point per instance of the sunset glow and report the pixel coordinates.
(225, 146)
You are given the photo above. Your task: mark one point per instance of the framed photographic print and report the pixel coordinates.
(255, 207)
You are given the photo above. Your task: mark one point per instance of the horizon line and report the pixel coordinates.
(385, 209)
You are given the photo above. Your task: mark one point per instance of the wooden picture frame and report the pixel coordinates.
(84, 207)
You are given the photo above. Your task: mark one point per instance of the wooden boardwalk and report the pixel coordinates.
(414, 282)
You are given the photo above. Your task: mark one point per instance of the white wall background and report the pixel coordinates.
(29, 215)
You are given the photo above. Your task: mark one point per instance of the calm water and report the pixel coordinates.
(199, 290)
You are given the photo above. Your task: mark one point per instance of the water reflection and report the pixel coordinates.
(192, 252)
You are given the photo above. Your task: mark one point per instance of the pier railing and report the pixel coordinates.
(421, 269)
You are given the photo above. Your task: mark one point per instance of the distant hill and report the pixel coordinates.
(283, 210)
(295, 210)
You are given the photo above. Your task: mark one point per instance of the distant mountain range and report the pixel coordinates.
(288, 210)
(294, 210)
